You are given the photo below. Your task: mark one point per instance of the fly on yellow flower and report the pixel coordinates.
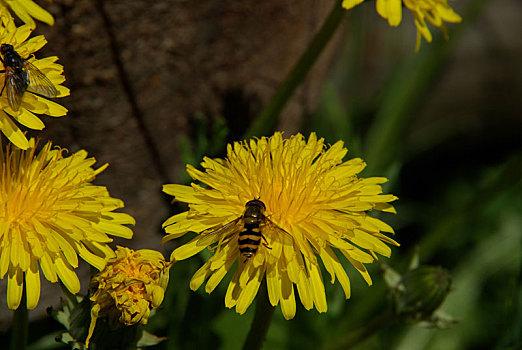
(24, 88)
(26, 10)
(131, 284)
(49, 214)
(277, 208)
(435, 12)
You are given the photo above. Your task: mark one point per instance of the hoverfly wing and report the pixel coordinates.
(15, 86)
(38, 82)
(211, 235)
(274, 227)
(286, 237)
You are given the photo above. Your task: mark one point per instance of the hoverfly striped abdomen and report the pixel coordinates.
(250, 236)
(249, 240)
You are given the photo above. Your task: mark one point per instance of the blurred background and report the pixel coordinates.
(156, 85)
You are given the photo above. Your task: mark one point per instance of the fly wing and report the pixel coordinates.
(212, 234)
(38, 82)
(269, 224)
(15, 85)
(285, 238)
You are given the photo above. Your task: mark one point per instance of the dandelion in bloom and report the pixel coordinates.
(279, 207)
(131, 284)
(435, 12)
(26, 10)
(49, 214)
(45, 75)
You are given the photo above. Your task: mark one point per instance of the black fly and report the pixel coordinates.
(21, 75)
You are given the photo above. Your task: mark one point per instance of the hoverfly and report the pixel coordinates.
(250, 226)
(20, 75)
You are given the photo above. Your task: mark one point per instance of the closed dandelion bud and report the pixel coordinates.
(421, 292)
(124, 293)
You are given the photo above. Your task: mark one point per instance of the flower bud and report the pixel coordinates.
(131, 284)
(421, 292)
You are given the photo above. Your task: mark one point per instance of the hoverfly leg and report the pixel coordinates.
(3, 87)
(266, 242)
(5, 80)
(218, 245)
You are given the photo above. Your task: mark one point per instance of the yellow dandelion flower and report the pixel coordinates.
(49, 214)
(281, 205)
(435, 12)
(26, 10)
(130, 285)
(31, 103)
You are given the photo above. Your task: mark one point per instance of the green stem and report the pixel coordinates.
(517, 324)
(359, 335)
(267, 120)
(19, 331)
(262, 318)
